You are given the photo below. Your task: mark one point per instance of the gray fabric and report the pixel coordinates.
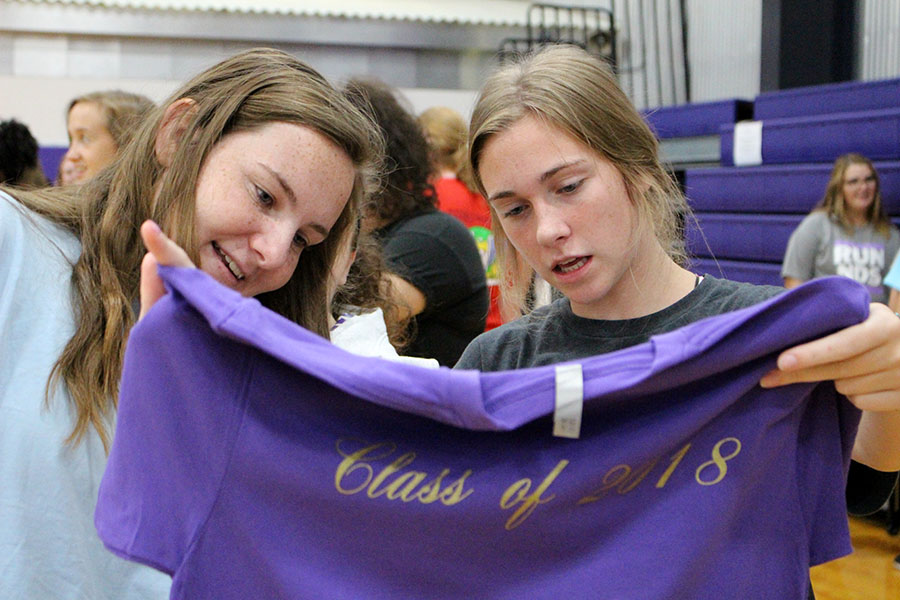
(820, 247)
(436, 253)
(553, 334)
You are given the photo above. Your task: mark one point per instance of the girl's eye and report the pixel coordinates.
(568, 189)
(263, 197)
(300, 241)
(514, 211)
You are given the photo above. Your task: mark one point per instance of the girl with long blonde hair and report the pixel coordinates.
(578, 195)
(255, 167)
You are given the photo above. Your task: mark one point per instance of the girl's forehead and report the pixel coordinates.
(857, 169)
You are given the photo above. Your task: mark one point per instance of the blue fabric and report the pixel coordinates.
(847, 96)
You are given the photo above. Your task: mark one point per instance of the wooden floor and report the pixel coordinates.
(868, 573)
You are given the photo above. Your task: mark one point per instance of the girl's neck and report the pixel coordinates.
(857, 219)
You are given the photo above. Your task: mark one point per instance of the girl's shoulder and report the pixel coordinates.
(26, 230)
(513, 344)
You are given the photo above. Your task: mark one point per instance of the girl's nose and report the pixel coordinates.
(274, 245)
(551, 225)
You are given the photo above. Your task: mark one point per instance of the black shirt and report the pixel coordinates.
(437, 254)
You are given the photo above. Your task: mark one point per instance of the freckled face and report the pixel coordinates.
(566, 211)
(91, 145)
(263, 196)
(858, 188)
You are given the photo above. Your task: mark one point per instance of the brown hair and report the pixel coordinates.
(834, 205)
(446, 132)
(367, 288)
(19, 163)
(407, 189)
(123, 111)
(577, 93)
(243, 92)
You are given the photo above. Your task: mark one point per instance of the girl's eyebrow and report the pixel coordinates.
(544, 177)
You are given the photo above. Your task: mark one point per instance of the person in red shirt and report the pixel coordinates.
(446, 132)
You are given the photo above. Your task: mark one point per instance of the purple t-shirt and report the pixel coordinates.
(253, 459)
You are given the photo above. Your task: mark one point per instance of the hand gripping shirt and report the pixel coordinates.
(253, 459)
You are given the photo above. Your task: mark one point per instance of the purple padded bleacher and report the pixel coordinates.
(752, 272)
(822, 138)
(50, 157)
(775, 189)
(702, 118)
(848, 96)
(740, 236)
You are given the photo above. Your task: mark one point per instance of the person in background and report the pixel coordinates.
(251, 165)
(19, 164)
(437, 274)
(847, 234)
(360, 297)
(446, 130)
(65, 174)
(99, 125)
(577, 193)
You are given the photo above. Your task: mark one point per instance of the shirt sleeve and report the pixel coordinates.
(471, 357)
(444, 265)
(800, 256)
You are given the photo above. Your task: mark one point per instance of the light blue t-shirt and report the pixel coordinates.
(892, 279)
(49, 547)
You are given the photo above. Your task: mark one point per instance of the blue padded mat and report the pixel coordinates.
(850, 96)
(776, 188)
(751, 272)
(823, 138)
(740, 236)
(50, 157)
(702, 118)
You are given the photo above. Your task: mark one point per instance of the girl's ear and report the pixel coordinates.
(171, 129)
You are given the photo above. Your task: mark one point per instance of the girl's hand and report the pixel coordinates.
(863, 360)
(160, 251)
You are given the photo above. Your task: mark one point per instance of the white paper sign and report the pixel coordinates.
(748, 143)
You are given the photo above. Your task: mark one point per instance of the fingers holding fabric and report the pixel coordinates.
(160, 251)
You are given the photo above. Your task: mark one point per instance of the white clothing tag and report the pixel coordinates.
(748, 143)
(569, 401)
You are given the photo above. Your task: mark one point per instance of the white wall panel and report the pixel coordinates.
(146, 59)
(40, 55)
(879, 40)
(724, 48)
(93, 58)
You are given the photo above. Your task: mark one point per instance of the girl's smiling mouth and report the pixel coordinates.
(229, 262)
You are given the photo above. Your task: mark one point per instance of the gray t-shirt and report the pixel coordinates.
(820, 247)
(553, 333)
